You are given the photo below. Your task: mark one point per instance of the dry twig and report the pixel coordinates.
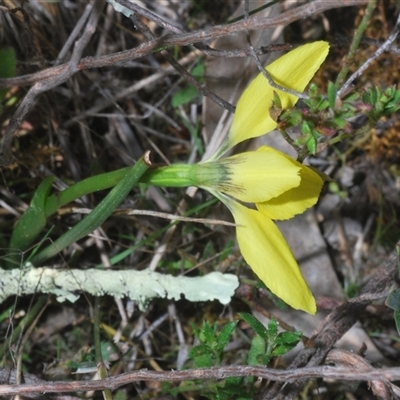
(113, 383)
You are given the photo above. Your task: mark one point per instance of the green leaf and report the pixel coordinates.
(7, 68)
(340, 122)
(397, 320)
(332, 93)
(7, 62)
(98, 215)
(313, 90)
(285, 342)
(198, 71)
(258, 348)
(33, 220)
(393, 300)
(281, 350)
(225, 334)
(272, 328)
(190, 92)
(196, 330)
(352, 96)
(200, 350)
(312, 145)
(257, 326)
(208, 334)
(374, 94)
(209, 250)
(322, 104)
(203, 356)
(306, 128)
(288, 337)
(184, 96)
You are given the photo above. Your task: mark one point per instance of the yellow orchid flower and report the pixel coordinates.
(276, 184)
(280, 188)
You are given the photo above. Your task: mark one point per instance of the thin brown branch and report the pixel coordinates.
(185, 39)
(144, 375)
(183, 71)
(260, 67)
(381, 388)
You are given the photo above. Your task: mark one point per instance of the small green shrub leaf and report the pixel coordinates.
(257, 326)
(225, 334)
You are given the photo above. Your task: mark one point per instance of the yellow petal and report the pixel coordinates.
(296, 200)
(293, 70)
(258, 176)
(266, 251)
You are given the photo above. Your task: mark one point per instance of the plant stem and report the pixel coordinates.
(26, 322)
(348, 61)
(101, 366)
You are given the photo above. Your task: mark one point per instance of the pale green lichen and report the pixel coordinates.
(140, 286)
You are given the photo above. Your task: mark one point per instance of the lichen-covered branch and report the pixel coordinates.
(140, 286)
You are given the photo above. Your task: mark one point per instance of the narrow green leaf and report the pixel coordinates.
(258, 348)
(306, 128)
(397, 320)
(332, 93)
(312, 145)
(83, 188)
(203, 356)
(225, 334)
(313, 90)
(281, 349)
(184, 96)
(393, 300)
(208, 334)
(272, 328)
(200, 350)
(33, 220)
(99, 214)
(285, 342)
(7, 68)
(257, 326)
(198, 71)
(322, 105)
(288, 337)
(196, 330)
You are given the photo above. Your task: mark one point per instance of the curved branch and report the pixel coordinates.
(185, 39)
(346, 374)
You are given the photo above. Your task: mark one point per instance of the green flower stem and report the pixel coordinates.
(99, 214)
(175, 175)
(43, 206)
